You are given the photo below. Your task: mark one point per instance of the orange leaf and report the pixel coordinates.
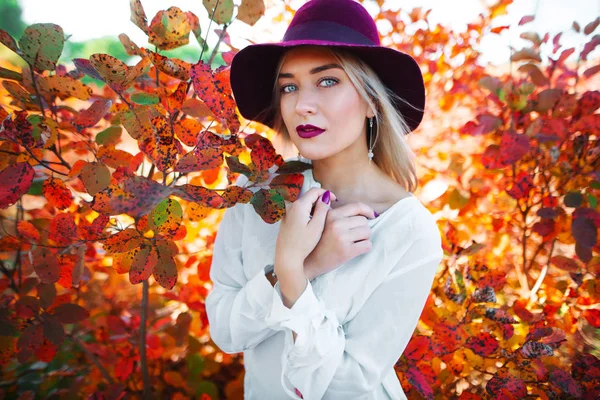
(57, 193)
(171, 66)
(28, 231)
(123, 241)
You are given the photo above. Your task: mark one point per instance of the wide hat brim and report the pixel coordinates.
(253, 72)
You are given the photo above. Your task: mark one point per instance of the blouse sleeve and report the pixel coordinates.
(339, 362)
(236, 306)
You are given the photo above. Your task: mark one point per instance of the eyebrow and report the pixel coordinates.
(315, 70)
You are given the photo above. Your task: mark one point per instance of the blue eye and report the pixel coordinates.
(331, 80)
(284, 87)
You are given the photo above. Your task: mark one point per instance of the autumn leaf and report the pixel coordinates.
(166, 217)
(15, 181)
(165, 271)
(215, 90)
(169, 29)
(115, 73)
(41, 45)
(269, 205)
(57, 193)
(123, 241)
(95, 177)
(70, 313)
(222, 14)
(143, 263)
(92, 115)
(138, 15)
(64, 87)
(200, 160)
(28, 231)
(46, 265)
(109, 136)
(250, 11)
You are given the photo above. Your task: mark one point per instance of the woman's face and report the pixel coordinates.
(316, 91)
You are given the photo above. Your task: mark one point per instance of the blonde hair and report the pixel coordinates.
(391, 152)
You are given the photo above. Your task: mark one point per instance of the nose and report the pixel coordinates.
(306, 102)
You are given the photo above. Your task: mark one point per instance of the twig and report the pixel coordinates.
(214, 52)
(37, 92)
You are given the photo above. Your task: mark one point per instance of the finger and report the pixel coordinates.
(310, 197)
(353, 209)
(357, 234)
(358, 248)
(319, 215)
(347, 223)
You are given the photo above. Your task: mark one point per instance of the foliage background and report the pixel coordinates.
(509, 162)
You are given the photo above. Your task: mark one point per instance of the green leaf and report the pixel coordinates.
(41, 46)
(592, 200)
(223, 13)
(145, 98)
(166, 217)
(269, 204)
(109, 136)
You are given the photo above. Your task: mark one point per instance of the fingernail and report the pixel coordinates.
(326, 197)
(376, 215)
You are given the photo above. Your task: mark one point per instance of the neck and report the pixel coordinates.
(349, 178)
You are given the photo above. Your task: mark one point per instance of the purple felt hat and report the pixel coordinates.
(333, 23)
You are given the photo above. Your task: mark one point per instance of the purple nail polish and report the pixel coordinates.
(376, 215)
(326, 197)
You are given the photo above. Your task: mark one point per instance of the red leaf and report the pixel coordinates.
(63, 229)
(95, 177)
(521, 186)
(165, 271)
(565, 383)
(513, 147)
(90, 117)
(200, 160)
(201, 195)
(263, 153)
(526, 19)
(15, 181)
(506, 382)
(31, 338)
(70, 313)
(215, 90)
(236, 194)
(483, 344)
(420, 382)
(564, 263)
(592, 316)
(46, 265)
(418, 348)
(143, 263)
(588, 73)
(53, 330)
(57, 193)
(46, 351)
(288, 185)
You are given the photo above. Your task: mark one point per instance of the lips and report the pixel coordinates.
(308, 131)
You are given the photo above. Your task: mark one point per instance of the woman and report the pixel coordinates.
(353, 265)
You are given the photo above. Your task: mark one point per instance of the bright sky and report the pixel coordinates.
(92, 19)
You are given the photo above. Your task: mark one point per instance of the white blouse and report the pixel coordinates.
(352, 323)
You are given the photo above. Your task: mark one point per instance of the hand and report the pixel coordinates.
(345, 235)
(298, 232)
